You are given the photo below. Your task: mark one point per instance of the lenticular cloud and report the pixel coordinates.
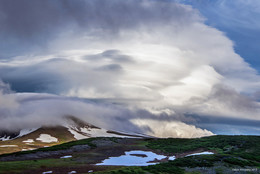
(143, 55)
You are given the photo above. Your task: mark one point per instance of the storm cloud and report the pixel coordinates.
(158, 57)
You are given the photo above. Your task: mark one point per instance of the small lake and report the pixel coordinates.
(133, 158)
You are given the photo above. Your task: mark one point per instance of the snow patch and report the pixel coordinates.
(172, 158)
(82, 133)
(72, 172)
(5, 138)
(28, 149)
(77, 135)
(68, 156)
(8, 146)
(28, 141)
(201, 153)
(26, 131)
(46, 138)
(47, 172)
(100, 133)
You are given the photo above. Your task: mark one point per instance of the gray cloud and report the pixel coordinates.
(36, 110)
(45, 109)
(230, 98)
(224, 103)
(30, 26)
(110, 68)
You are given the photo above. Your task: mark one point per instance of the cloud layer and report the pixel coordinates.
(27, 110)
(140, 55)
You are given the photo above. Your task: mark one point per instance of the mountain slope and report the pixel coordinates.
(73, 129)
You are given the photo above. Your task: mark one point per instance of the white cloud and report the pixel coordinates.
(171, 129)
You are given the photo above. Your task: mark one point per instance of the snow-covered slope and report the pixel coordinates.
(78, 128)
(81, 130)
(97, 132)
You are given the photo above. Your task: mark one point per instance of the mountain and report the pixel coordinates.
(73, 129)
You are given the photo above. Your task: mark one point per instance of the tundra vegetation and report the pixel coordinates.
(230, 152)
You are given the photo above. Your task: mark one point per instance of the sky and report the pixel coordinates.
(164, 68)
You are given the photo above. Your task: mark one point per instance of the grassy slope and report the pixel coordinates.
(231, 152)
(247, 147)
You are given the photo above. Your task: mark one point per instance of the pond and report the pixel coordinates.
(140, 158)
(133, 158)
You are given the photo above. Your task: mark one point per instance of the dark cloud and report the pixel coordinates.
(223, 124)
(30, 26)
(33, 78)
